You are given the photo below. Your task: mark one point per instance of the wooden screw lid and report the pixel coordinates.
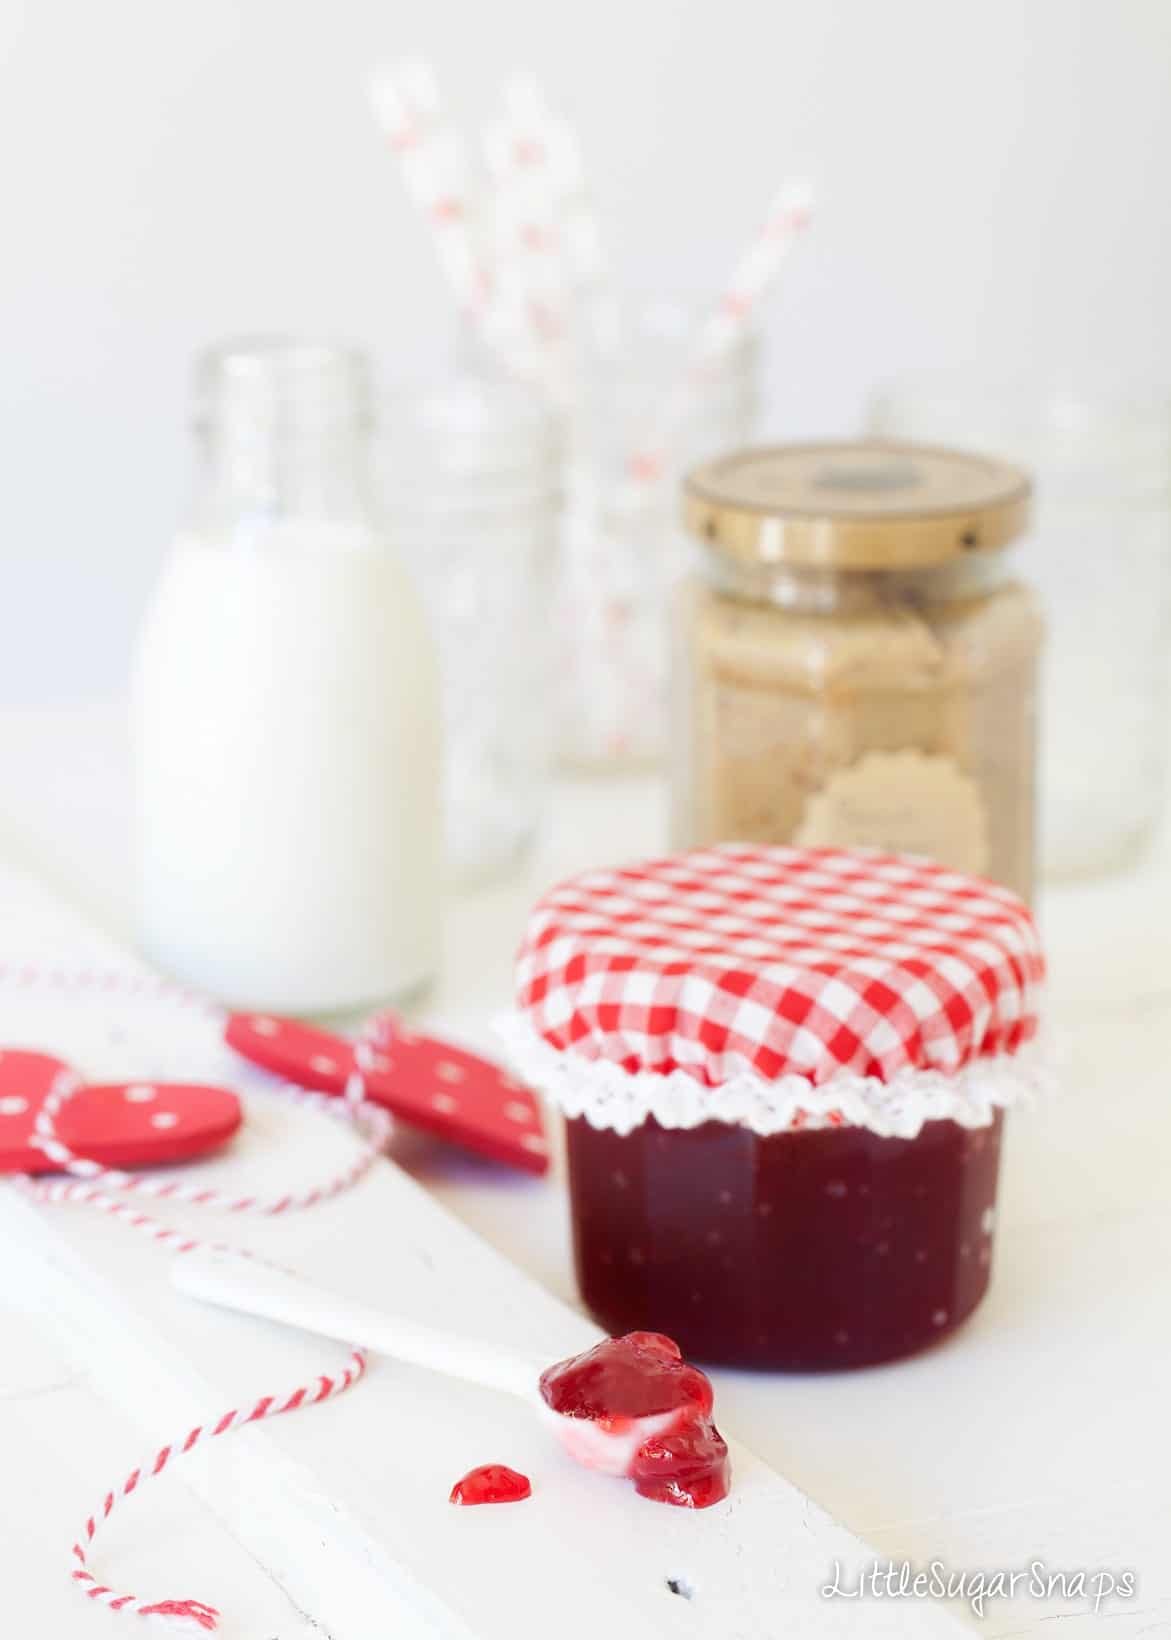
(870, 505)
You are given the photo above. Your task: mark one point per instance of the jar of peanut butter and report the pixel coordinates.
(855, 663)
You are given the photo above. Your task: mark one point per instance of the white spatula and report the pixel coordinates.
(255, 1288)
(244, 1284)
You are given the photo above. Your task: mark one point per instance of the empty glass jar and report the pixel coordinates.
(636, 428)
(1099, 554)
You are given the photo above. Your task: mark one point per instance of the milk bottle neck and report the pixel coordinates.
(283, 437)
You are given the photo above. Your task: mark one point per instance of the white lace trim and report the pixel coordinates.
(610, 1097)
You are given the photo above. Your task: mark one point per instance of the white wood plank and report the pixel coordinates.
(346, 1505)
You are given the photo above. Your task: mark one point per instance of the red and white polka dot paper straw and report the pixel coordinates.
(545, 147)
(532, 317)
(435, 169)
(786, 219)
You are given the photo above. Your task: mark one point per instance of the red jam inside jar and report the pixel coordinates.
(808, 1250)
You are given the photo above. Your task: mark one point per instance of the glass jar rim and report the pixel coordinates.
(251, 383)
(1082, 436)
(864, 504)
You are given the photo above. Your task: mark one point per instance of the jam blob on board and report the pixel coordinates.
(491, 1483)
(632, 1406)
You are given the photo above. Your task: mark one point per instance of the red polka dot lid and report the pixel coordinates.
(743, 960)
(118, 1124)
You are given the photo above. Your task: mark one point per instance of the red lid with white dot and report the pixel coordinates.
(119, 1124)
(841, 970)
(425, 1082)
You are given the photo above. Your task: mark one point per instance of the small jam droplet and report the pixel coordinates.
(491, 1483)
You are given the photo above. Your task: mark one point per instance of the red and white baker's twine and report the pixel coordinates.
(196, 1613)
(353, 1106)
(93, 1184)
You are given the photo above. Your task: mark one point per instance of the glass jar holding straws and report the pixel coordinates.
(470, 475)
(620, 542)
(520, 247)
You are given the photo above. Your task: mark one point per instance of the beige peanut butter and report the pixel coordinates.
(861, 706)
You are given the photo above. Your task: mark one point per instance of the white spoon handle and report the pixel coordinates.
(257, 1289)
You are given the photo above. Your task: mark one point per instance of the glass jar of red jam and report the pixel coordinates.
(784, 1072)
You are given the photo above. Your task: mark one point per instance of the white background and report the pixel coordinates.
(992, 182)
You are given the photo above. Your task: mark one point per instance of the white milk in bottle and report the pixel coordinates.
(287, 708)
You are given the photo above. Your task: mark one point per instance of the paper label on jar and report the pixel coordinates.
(906, 803)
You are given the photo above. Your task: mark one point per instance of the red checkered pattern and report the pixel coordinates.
(740, 959)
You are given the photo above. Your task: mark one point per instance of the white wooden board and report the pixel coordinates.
(57, 1434)
(346, 1505)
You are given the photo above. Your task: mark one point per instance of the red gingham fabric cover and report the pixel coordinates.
(740, 958)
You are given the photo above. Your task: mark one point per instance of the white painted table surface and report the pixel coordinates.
(1040, 1432)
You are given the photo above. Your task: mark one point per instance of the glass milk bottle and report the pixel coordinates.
(286, 707)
